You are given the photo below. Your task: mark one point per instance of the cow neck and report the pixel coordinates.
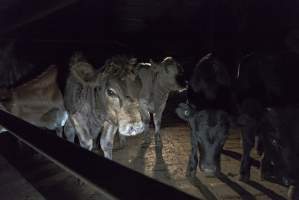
(88, 99)
(159, 91)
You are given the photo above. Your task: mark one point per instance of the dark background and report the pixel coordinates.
(48, 32)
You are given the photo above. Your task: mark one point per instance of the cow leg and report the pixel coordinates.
(82, 131)
(107, 139)
(146, 118)
(59, 131)
(122, 141)
(147, 138)
(248, 144)
(69, 131)
(157, 122)
(193, 158)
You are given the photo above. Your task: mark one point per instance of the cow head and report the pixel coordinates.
(208, 76)
(115, 90)
(208, 137)
(279, 128)
(171, 73)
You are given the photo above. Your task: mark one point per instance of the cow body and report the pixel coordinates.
(210, 99)
(158, 80)
(280, 132)
(102, 102)
(264, 80)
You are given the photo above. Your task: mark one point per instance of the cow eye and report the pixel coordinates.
(111, 93)
(274, 142)
(186, 112)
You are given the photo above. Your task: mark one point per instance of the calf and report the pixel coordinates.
(100, 103)
(209, 130)
(158, 80)
(211, 98)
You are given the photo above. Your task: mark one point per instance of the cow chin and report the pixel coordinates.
(131, 129)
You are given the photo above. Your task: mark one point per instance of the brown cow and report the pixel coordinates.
(102, 102)
(38, 102)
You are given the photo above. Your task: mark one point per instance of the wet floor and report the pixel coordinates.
(168, 164)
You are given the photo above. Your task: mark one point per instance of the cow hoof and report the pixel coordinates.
(244, 178)
(122, 142)
(293, 193)
(147, 140)
(286, 181)
(122, 145)
(190, 174)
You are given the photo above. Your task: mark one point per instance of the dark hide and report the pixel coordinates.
(210, 86)
(280, 129)
(263, 80)
(15, 71)
(211, 98)
(207, 139)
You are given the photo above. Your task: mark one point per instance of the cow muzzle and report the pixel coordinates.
(131, 129)
(209, 170)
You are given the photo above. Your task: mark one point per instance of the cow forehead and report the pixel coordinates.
(125, 87)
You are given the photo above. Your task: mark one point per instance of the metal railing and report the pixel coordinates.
(106, 176)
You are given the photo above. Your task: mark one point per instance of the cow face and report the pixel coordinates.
(209, 133)
(279, 128)
(109, 94)
(171, 73)
(120, 97)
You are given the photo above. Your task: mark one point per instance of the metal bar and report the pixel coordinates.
(39, 15)
(108, 177)
(64, 41)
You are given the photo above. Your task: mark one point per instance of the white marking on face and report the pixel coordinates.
(131, 129)
(64, 118)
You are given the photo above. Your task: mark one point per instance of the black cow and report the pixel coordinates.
(264, 80)
(210, 99)
(209, 130)
(280, 128)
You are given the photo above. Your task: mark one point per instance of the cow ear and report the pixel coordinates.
(133, 61)
(170, 65)
(99, 78)
(184, 111)
(83, 72)
(132, 65)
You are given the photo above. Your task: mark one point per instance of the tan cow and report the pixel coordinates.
(38, 102)
(102, 102)
(158, 80)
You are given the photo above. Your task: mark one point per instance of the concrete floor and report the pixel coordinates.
(169, 164)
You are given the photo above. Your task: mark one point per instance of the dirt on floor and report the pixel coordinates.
(168, 165)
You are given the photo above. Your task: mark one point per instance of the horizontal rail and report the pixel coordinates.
(106, 176)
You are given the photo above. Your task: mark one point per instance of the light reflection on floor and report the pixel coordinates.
(168, 164)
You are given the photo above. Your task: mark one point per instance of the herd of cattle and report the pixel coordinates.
(120, 97)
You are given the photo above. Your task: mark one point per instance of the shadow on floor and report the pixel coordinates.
(236, 187)
(139, 161)
(203, 188)
(238, 156)
(160, 169)
(265, 190)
